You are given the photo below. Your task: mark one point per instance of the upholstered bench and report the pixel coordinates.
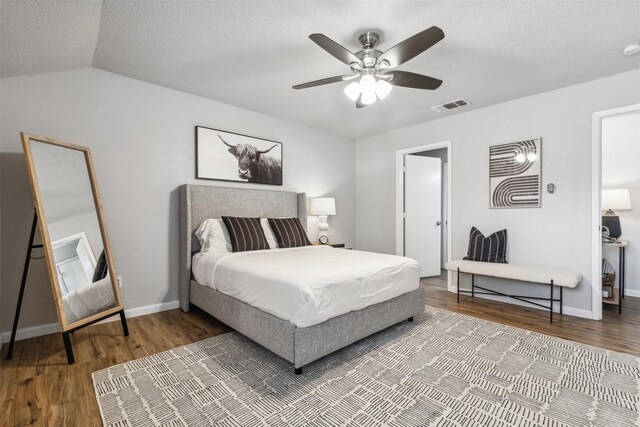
(525, 273)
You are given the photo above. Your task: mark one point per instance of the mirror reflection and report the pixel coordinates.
(78, 250)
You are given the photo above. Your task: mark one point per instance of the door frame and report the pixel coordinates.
(82, 237)
(400, 196)
(596, 202)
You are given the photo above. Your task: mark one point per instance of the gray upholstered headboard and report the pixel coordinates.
(200, 202)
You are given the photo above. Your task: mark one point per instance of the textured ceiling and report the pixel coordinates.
(40, 36)
(250, 53)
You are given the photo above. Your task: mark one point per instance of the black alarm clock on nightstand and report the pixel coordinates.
(323, 239)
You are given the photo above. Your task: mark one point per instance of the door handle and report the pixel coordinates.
(438, 222)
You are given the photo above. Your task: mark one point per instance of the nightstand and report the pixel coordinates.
(333, 245)
(622, 246)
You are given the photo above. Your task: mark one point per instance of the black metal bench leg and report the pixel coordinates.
(410, 319)
(560, 299)
(551, 304)
(298, 371)
(458, 285)
(473, 284)
(68, 348)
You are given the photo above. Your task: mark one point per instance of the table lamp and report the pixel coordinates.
(322, 207)
(617, 199)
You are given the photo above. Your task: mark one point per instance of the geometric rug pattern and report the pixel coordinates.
(444, 369)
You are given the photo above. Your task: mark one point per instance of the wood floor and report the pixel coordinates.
(615, 332)
(37, 387)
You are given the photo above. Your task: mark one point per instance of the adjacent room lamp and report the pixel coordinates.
(617, 199)
(322, 207)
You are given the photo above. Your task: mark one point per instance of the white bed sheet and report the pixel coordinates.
(88, 300)
(307, 285)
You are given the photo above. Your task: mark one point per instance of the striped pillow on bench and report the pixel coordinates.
(492, 248)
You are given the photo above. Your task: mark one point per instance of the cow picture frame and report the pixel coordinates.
(228, 156)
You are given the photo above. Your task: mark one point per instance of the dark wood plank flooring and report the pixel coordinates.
(37, 387)
(615, 332)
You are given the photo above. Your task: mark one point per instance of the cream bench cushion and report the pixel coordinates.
(525, 273)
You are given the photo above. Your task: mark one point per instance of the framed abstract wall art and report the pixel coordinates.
(228, 156)
(515, 174)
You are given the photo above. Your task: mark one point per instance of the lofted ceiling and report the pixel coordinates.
(249, 53)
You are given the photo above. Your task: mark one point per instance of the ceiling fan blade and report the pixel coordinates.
(414, 81)
(412, 47)
(336, 50)
(321, 82)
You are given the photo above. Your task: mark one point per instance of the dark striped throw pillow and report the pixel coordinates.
(245, 233)
(492, 248)
(289, 232)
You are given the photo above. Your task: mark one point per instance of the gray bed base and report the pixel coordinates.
(302, 346)
(299, 346)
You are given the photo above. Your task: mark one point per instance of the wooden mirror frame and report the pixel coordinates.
(46, 239)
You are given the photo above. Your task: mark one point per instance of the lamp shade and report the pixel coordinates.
(616, 199)
(323, 206)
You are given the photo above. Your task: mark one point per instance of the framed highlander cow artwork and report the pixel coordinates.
(229, 156)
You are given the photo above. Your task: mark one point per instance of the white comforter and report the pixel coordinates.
(88, 300)
(307, 285)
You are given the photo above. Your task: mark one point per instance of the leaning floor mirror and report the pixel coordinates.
(70, 217)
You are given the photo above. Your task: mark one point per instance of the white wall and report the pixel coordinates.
(620, 155)
(142, 137)
(558, 233)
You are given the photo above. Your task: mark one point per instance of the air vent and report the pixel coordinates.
(450, 105)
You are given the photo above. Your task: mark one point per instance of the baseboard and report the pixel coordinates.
(153, 308)
(51, 328)
(571, 311)
(578, 312)
(31, 331)
(631, 292)
(147, 309)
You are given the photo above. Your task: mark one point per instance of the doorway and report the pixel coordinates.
(615, 138)
(75, 262)
(423, 206)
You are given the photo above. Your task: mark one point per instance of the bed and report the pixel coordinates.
(290, 339)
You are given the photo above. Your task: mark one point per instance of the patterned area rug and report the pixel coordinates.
(445, 369)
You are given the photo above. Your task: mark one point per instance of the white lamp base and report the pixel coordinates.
(323, 226)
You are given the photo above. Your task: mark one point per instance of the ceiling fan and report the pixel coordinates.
(376, 70)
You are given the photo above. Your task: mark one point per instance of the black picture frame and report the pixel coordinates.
(513, 183)
(234, 157)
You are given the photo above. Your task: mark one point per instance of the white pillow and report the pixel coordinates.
(268, 233)
(213, 236)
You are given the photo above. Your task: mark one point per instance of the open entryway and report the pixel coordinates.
(615, 213)
(75, 262)
(423, 206)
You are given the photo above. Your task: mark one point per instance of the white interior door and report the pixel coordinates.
(422, 207)
(73, 274)
(445, 214)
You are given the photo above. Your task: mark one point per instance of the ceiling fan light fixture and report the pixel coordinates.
(383, 89)
(368, 84)
(353, 90)
(375, 70)
(368, 98)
